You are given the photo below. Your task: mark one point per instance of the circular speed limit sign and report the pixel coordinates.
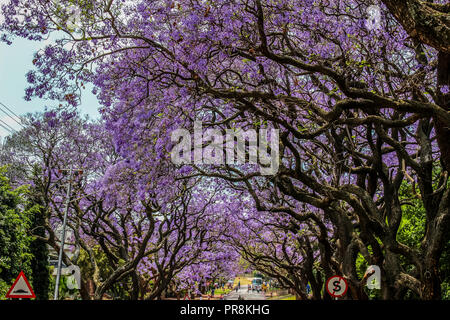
(336, 286)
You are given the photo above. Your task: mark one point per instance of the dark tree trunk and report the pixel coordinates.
(425, 21)
(432, 284)
(135, 289)
(39, 263)
(87, 289)
(443, 128)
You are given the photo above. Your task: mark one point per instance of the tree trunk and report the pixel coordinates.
(432, 285)
(135, 288)
(423, 20)
(443, 128)
(39, 263)
(87, 289)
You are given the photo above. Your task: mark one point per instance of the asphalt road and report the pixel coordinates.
(243, 292)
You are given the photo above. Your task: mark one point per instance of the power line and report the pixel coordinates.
(10, 115)
(7, 125)
(9, 109)
(6, 128)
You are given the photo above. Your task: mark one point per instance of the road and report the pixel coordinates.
(243, 292)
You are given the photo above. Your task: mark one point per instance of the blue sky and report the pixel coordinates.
(15, 62)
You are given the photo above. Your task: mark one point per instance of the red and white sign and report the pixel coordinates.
(336, 286)
(21, 288)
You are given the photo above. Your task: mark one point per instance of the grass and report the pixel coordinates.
(289, 297)
(286, 297)
(220, 291)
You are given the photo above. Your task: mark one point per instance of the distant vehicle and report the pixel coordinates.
(257, 283)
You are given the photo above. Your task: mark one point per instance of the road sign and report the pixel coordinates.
(74, 280)
(21, 288)
(336, 286)
(373, 274)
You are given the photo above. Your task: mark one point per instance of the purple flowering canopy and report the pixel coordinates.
(359, 91)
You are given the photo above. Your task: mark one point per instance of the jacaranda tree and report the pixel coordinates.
(355, 97)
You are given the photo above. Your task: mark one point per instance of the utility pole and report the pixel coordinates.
(63, 235)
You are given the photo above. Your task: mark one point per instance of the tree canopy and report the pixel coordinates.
(360, 101)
